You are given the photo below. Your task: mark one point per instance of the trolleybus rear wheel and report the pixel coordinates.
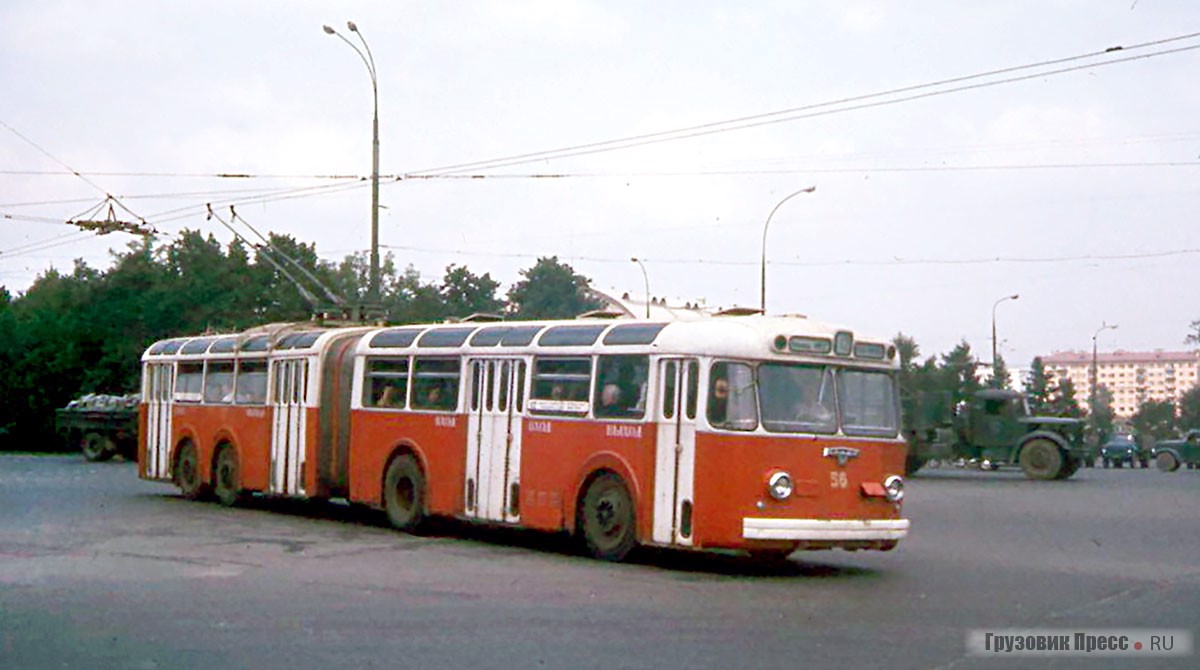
(608, 519)
(187, 473)
(404, 493)
(227, 480)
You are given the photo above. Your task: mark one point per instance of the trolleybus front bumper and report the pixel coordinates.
(824, 530)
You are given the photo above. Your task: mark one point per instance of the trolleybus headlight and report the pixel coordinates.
(780, 486)
(894, 486)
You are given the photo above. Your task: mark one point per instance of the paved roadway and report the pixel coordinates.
(101, 570)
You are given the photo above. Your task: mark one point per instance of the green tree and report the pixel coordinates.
(1154, 420)
(1038, 388)
(998, 374)
(1063, 401)
(960, 371)
(1189, 409)
(464, 293)
(1102, 414)
(550, 290)
(414, 301)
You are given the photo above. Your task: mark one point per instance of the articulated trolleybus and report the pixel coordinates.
(754, 433)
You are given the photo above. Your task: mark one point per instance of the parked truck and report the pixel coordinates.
(1168, 455)
(101, 426)
(993, 428)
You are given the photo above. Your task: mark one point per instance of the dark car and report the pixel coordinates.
(1119, 451)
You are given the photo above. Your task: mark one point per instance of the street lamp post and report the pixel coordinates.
(995, 352)
(646, 279)
(369, 61)
(763, 285)
(1095, 376)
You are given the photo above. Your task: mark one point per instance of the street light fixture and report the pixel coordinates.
(369, 61)
(763, 286)
(995, 353)
(646, 279)
(1095, 370)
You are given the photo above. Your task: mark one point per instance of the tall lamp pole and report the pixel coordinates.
(1095, 369)
(369, 61)
(995, 352)
(646, 279)
(763, 285)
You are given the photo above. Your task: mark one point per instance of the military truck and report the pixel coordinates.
(1168, 455)
(993, 428)
(101, 426)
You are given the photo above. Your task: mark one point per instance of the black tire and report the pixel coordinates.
(607, 519)
(97, 447)
(912, 464)
(187, 473)
(227, 477)
(1166, 461)
(1070, 467)
(404, 494)
(1041, 459)
(771, 556)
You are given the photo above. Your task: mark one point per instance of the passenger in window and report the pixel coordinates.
(433, 396)
(391, 397)
(718, 401)
(610, 401)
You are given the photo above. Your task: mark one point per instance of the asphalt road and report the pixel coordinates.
(101, 570)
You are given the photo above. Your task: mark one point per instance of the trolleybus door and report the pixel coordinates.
(288, 434)
(675, 451)
(492, 488)
(158, 394)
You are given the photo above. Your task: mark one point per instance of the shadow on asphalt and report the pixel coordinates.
(716, 562)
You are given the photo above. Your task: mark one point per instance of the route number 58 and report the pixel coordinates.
(838, 480)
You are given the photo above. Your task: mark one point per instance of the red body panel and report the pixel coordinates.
(246, 428)
(557, 457)
(732, 473)
(439, 441)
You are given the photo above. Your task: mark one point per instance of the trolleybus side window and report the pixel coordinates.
(797, 398)
(387, 383)
(732, 400)
(189, 383)
(621, 386)
(561, 386)
(435, 383)
(868, 403)
(693, 389)
(251, 381)
(218, 382)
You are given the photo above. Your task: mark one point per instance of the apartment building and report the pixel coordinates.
(1133, 377)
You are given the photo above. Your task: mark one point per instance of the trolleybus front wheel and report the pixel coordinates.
(404, 493)
(608, 519)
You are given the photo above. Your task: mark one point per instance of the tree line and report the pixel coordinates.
(84, 331)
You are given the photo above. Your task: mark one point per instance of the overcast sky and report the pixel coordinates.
(1077, 190)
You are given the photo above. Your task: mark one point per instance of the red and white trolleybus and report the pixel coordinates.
(765, 434)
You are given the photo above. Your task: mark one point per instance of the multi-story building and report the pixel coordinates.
(1133, 377)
